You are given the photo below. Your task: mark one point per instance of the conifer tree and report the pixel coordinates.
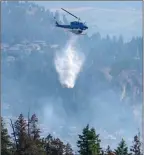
(136, 148)
(20, 127)
(5, 139)
(48, 144)
(57, 147)
(108, 150)
(34, 130)
(34, 136)
(68, 149)
(89, 142)
(122, 148)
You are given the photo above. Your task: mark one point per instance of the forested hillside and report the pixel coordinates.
(108, 88)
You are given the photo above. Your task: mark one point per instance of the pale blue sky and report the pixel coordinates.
(103, 4)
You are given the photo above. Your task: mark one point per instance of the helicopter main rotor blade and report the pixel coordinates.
(70, 13)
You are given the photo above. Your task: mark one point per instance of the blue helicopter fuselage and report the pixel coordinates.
(73, 25)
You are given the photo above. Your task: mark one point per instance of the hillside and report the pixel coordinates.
(111, 76)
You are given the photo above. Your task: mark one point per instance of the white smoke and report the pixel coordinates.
(68, 63)
(123, 94)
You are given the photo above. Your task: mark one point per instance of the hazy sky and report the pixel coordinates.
(103, 4)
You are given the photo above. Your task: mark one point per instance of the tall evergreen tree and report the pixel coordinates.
(57, 147)
(48, 144)
(35, 131)
(20, 127)
(122, 148)
(136, 148)
(53, 146)
(68, 149)
(34, 136)
(89, 142)
(5, 139)
(108, 150)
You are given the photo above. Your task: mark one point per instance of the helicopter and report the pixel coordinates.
(75, 27)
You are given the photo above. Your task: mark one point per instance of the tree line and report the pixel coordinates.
(26, 140)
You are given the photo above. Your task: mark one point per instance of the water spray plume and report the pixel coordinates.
(68, 63)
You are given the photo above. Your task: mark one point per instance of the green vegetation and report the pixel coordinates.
(26, 140)
(5, 139)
